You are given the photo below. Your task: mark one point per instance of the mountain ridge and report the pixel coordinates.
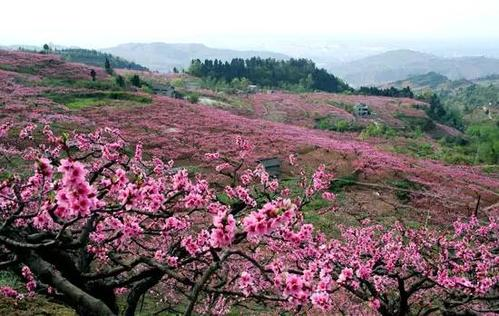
(400, 64)
(164, 57)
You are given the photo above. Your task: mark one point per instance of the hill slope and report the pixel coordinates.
(400, 64)
(277, 124)
(163, 57)
(95, 58)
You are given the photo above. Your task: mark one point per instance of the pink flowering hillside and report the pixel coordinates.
(115, 200)
(176, 129)
(45, 65)
(302, 109)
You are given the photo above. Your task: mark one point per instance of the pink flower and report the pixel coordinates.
(329, 196)
(45, 168)
(7, 291)
(138, 152)
(345, 275)
(294, 285)
(364, 272)
(27, 131)
(246, 283)
(4, 129)
(375, 304)
(222, 167)
(321, 300)
(224, 231)
(181, 181)
(212, 156)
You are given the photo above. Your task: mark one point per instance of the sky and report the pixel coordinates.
(243, 24)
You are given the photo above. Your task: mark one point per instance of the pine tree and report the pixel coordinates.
(107, 66)
(135, 80)
(120, 81)
(46, 48)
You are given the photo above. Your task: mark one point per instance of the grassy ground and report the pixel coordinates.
(79, 101)
(32, 307)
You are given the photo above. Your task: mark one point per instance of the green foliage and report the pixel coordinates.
(377, 130)
(467, 98)
(82, 100)
(485, 140)
(389, 92)
(339, 184)
(491, 169)
(418, 149)
(333, 124)
(96, 58)
(296, 73)
(84, 84)
(93, 74)
(107, 66)
(416, 122)
(192, 97)
(135, 81)
(349, 107)
(120, 81)
(404, 189)
(8, 278)
(441, 114)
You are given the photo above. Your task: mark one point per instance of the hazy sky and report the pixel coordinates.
(103, 23)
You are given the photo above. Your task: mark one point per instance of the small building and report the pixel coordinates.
(252, 88)
(272, 166)
(165, 89)
(361, 109)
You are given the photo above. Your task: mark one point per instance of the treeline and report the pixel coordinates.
(96, 58)
(299, 74)
(439, 113)
(388, 92)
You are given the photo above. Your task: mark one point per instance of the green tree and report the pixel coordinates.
(135, 80)
(107, 66)
(93, 74)
(120, 81)
(46, 48)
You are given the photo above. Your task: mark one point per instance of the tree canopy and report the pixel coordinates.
(270, 73)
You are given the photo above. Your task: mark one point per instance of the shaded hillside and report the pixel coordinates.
(96, 58)
(164, 57)
(430, 81)
(400, 64)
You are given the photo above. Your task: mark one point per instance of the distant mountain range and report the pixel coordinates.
(374, 70)
(163, 57)
(433, 81)
(400, 64)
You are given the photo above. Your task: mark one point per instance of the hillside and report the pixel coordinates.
(428, 81)
(164, 56)
(96, 58)
(400, 64)
(278, 124)
(100, 171)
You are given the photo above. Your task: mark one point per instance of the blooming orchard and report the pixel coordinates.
(91, 223)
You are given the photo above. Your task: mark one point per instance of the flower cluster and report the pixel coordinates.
(75, 197)
(269, 217)
(30, 279)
